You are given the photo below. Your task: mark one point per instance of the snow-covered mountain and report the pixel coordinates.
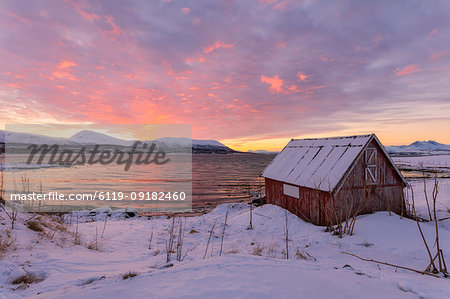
(87, 137)
(27, 138)
(186, 141)
(198, 146)
(207, 142)
(262, 152)
(429, 147)
(173, 141)
(91, 137)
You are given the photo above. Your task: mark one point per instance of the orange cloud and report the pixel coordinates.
(63, 71)
(217, 45)
(275, 82)
(18, 85)
(412, 68)
(293, 88)
(66, 64)
(302, 76)
(186, 10)
(64, 75)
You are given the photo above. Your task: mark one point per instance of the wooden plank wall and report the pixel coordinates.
(307, 207)
(386, 195)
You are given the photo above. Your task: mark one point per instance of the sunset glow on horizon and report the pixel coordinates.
(251, 74)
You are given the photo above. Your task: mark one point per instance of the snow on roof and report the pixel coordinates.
(316, 163)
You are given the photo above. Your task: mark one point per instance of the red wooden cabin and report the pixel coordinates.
(326, 179)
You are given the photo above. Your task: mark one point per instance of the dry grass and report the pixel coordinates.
(271, 250)
(300, 255)
(258, 250)
(129, 275)
(25, 280)
(93, 245)
(304, 255)
(366, 244)
(7, 242)
(50, 227)
(91, 280)
(232, 251)
(34, 225)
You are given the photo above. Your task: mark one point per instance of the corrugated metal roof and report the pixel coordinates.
(316, 163)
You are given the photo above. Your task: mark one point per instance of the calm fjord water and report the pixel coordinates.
(225, 178)
(215, 179)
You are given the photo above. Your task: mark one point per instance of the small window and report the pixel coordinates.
(371, 169)
(291, 191)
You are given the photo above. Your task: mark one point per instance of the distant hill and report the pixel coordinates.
(91, 137)
(421, 148)
(198, 146)
(262, 152)
(26, 138)
(86, 137)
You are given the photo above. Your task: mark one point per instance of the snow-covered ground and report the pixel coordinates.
(443, 199)
(428, 166)
(252, 265)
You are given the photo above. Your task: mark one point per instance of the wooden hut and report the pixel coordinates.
(325, 180)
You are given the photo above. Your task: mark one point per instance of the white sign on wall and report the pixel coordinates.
(291, 190)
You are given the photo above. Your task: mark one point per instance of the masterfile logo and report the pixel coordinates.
(83, 156)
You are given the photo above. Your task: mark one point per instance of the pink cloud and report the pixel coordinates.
(268, 1)
(377, 38)
(302, 76)
(407, 70)
(66, 64)
(115, 30)
(431, 34)
(91, 17)
(282, 5)
(127, 63)
(293, 88)
(217, 45)
(438, 56)
(275, 83)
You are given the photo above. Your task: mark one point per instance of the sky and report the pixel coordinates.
(251, 74)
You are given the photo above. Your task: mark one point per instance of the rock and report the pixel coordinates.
(96, 211)
(348, 267)
(130, 212)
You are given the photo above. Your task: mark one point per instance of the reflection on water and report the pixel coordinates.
(225, 178)
(92, 179)
(215, 178)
